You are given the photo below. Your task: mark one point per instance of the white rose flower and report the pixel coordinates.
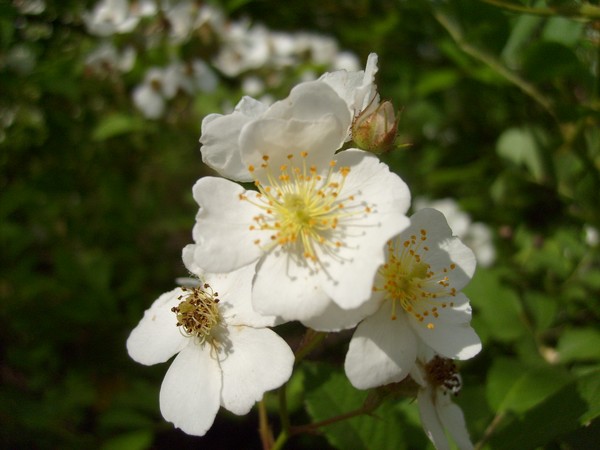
(319, 221)
(418, 294)
(225, 355)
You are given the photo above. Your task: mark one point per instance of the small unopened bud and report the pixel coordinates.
(375, 129)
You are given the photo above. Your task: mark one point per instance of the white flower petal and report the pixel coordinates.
(381, 351)
(458, 220)
(287, 288)
(259, 361)
(222, 232)
(451, 335)
(352, 272)
(187, 256)
(220, 139)
(453, 420)
(334, 318)
(313, 119)
(430, 420)
(463, 257)
(445, 249)
(356, 88)
(190, 393)
(157, 337)
(235, 292)
(279, 138)
(457, 342)
(310, 101)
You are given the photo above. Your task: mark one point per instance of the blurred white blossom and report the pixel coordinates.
(109, 17)
(592, 237)
(107, 58)
(163, 83)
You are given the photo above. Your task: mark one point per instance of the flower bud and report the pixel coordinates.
(375, 128)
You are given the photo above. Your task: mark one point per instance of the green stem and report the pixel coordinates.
(311, 427)
(264, 430)
(584, 11)
(310, 340)
(281, 440)
(528, 88)
(370, 404)
(490, 430)
(284, 416)
(596, 87)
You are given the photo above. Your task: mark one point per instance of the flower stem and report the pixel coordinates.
(311, 427)
(370, 404)
(490, 430)
(281, 440)
(264, 430)
(283, 411)
(310, 340)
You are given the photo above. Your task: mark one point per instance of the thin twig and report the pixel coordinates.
(311, 427)
(264, 430)
(583, 11)
(490, 430)
(491, 61)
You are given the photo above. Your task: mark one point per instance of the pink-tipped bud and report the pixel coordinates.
(375, 128)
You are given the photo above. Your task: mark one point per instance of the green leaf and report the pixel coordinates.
(115, 125)
(137, 440)
(497, 308)
(575, 404)
(515, 386)
(329, 394)
(588, 388)
(542, 308)
(562, 30)
(436, 81)
(522, 147)
(520, 36)
(581, 344)
(545, 61)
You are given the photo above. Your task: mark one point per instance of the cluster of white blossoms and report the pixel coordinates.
(321, 238)
(233, 49)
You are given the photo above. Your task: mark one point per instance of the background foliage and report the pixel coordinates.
(502, 111)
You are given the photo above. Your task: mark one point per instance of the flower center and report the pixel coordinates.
(303, 208)
(409, 281)
(443, 373)
(198, 312)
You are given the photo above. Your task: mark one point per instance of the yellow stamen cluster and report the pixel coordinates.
(301, 207)
(442, 372)
(198, 312)
(410, 282)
